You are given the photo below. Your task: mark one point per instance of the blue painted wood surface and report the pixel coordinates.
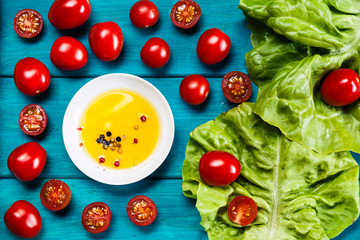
(177, 217)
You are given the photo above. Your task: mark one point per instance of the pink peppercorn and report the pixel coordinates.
(135, 140)
(116, 163)
(143, 118)
(101, 160)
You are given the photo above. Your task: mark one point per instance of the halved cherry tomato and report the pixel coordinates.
(341, 87)
(96, 217)
(219, 168)
(28, 23)
(242, 210)
(68, 54)
(27, 161)
(68, 14)
(23, 219)
(33, 119)
(144, 13)
(141, 210)
(237, 87)
(213, 46)
(55, 195)
(185, 14)
(155, 53)
(194, 89)
(106, 40)
(31, 76)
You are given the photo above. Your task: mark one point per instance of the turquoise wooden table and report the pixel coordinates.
(177, 215)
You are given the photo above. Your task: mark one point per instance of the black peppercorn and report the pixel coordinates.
(118, 139)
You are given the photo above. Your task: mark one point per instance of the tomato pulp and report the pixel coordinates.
(242, 210)
(33, 120)
(237, 87)
(96, 217)
(55, 195)
(185, 14)
(141, 210)
(28, 23)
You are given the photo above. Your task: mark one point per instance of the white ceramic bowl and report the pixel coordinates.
(79, 103)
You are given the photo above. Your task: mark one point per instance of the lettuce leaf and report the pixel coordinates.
(301, 194)
(297, 43)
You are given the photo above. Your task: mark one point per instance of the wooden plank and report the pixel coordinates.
(219, 14)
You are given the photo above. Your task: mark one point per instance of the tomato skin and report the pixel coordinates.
(341, 87)
(68, 54)
(28, 23)
(104, 214)
(144, 13)
(27, 161)
(69, 14)
(55, 195)
(31, 76)
(148, 206)
(23, 219)
(237, 87)
(188, 16)
(219, 168)
(155, 53)
(194, 89)
(213, 46)
(106, 40)
(244, 206)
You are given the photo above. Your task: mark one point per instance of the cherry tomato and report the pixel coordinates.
(237, 87)
(68, 14)
(28, 23)
(68, 54)
(218, 168)
(106, 40)
(141, 210)
(144, 14)
(96, 217)
(213, 46)
(27, 161)
(155, 53)
(33, 119)
(31, 76)
(242, 210)
(341, 87)
(185, 14)
(194, 89)
(23, 219)
(55, 195)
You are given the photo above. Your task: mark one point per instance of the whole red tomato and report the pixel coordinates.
(31, 76)
(106, 40)
(23, 219)
(68, 14)
(341, 87)
(155, 53)
(218, 168)
(144, 14)
(27, 161)
(68, 54)
(194, 89)
(213, 46)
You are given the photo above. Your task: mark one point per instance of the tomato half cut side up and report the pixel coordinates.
(33, 120)
(96, 217)
(55, 195)
(237, 87)
(141, 210)
(242, 210)
(28, 23)
(185, 14)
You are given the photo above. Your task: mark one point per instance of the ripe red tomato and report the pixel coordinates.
(185, 14)
(242, 210)
(194, 89)
(27, 161)
(23, 219)
(144, 14)
(213, 46)
(96, 217)
(68, 14)
(68, 54)
(106, 40)
(237, 87)
(55, 195)
(33, 120)
(218, 168)
(31, 76)
(155, 53)
(141, 210)
(341, 87)
(28, 23)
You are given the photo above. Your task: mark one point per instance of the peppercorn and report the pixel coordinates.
(116, 163)
(118, 139)
(143, 118)
(102, 136)
(108, 133)
(101, 160)
(135, 140)
(98, 140)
